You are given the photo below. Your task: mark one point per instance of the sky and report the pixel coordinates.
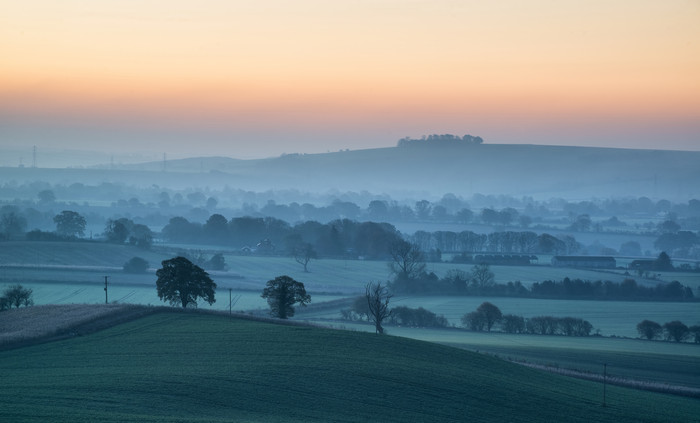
(260, 78)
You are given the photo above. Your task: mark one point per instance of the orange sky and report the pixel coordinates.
(312, 75)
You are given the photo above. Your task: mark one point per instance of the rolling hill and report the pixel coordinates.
(174, 366)
(427, 171)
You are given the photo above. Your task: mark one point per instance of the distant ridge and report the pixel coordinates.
(508, 169)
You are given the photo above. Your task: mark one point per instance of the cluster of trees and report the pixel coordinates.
(122, 230)
(16, 296)
(672, 331)
(13, 224)
(607, 290)
(679, 243)
(410, 277)
(340, 238)
(487, 316)
(526, 242)
(374, 307)
(182, 283)
(439, 140)
(345, 237)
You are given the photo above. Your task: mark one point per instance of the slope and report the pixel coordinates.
(174, 366)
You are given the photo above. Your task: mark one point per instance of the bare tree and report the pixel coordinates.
(378, 297)
(303, 253)
(482, 277)
(407, 260)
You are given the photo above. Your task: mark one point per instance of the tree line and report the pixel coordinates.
(485, 318)
(671, 331)
(412, 278)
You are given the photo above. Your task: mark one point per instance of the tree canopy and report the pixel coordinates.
(282, 293)
(70, 224)
(182, 282)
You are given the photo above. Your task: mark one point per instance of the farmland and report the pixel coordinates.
(64, 277)
(255, 371)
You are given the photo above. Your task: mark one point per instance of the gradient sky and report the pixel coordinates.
(260, 78)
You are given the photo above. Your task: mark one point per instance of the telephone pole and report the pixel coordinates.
(605, 380)
(106, 277)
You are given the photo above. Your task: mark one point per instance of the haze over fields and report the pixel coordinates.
(430, 171)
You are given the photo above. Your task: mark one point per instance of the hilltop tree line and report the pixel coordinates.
(442, 140)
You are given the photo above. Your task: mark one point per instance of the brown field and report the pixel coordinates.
(27, 325)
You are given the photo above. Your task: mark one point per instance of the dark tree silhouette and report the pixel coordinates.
(407, 260)
(117, 231)
(676, 331)
(377, 297)
(136, 265)
(12, 223)
(282, 293)
(695, 332)
(491, 313)
(69, 223)
(474, 321)
(482, 277)
(513, 324)
(182, 282)
(649, 330)
(303, 253)
(663, 262)
(16, 295)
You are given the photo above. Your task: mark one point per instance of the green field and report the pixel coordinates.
(68, 278)
(193, 367)
(634, 359)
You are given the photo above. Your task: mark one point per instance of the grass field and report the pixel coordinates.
(69, 279)
(635, 359)
(194, 367)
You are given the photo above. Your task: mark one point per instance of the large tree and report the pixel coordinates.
(649, 330)
(676, 331)
(485, 316)
(69, 223)
(282, 293)
(491, 313)
(182, 282)
(12, 223)
(377, 297)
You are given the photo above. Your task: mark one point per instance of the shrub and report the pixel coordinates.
(417, 317)
(17, 296)
(136, 265)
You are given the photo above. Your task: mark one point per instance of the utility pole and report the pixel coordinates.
(106, 277)
(230, 304)
(605, 380)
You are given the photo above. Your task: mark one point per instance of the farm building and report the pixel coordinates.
(642, 264)
(506, 259)
(599, 262)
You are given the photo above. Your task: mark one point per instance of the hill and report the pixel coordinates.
(533, 170)
(176, 366)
